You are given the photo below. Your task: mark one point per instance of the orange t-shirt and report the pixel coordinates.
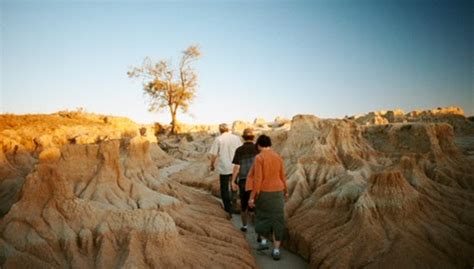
(267, 174)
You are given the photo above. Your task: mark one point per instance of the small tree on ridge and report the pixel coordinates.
(169, 88)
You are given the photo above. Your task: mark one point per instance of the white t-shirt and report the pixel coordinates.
(224, 148)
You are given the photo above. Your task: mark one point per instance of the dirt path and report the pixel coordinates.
(174, 167)
(264, 258)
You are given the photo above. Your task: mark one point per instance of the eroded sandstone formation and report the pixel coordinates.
(397, 196)
(108, 205)
(91, 192)
(24, 137)
(451, 115)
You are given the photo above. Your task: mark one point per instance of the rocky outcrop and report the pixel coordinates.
(259, 121)
(189, 147)
(86, 191)
(15, 163)
(452, 115)
(398, 195)
(89, 191)
(33, 131)
(23, 138)
(238, 126)
(105, 205)
(281, 122)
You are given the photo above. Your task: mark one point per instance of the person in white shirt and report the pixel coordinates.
(223, 150)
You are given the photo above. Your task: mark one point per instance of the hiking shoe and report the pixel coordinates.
(276, 254)
(243, 229)
(262, 246)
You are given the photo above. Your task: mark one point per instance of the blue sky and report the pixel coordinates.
(260, 58)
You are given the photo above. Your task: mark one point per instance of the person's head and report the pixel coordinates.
(223, 127)
(248, 134)
(263, 141)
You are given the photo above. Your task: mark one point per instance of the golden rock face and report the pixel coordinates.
(78, 190)
(108, 203)
(378, 195)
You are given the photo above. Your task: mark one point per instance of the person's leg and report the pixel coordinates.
(263, 244)
(276, 248)
(250, 214)
(243, 217)
(278, 226)
(276, 242)
(262, 222)
(225, 194)
(244, 202)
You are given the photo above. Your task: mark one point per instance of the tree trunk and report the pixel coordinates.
(173, 122)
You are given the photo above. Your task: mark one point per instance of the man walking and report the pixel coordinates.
(223, 150)
(243, 160)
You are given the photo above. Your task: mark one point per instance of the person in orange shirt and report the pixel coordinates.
(268, 194)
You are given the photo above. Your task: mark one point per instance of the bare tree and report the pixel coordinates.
(169, 88)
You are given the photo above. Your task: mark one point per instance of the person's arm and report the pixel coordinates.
(213, 154)
(235, 169)
(283, 178)
(213, 161)
(257, 176)
(250, 182)
(235, 173)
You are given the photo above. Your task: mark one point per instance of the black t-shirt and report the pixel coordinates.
(244, 156)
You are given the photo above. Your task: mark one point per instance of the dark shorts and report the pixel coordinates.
(244, 195)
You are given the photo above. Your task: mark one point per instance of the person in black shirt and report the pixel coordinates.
(243, 160)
